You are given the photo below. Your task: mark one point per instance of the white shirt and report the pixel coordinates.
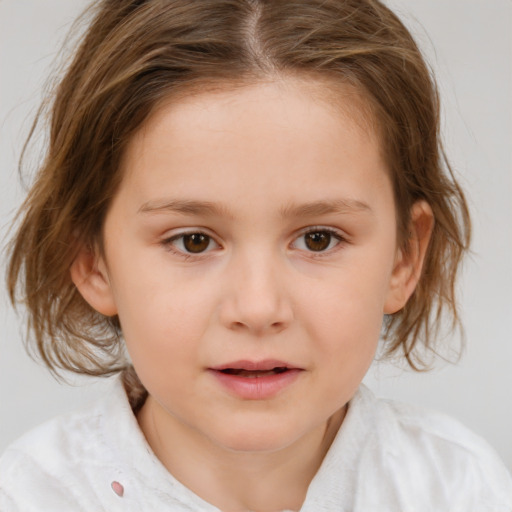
(387, 457)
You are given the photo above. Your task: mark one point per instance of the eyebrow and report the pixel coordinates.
(185, 207)
(316, 208)
(205, 208)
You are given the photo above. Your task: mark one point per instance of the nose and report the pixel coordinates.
(256, 298)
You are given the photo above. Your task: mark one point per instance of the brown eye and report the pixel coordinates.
(196, 242)
(317, 240)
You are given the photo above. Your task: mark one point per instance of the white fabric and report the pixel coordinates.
(386, 457)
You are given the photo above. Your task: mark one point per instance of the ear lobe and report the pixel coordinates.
(89, 274)
(409, 259)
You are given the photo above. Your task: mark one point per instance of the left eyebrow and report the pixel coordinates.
(317, 208)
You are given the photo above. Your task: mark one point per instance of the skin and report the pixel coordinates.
(257, 291)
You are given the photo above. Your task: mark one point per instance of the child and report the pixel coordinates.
(239, 196)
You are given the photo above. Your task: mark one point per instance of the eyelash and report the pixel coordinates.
(334, 234)
(168, 245)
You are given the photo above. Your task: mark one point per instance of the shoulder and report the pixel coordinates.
(434, 434)
(54, 466)
(430, 454)
(53, 444)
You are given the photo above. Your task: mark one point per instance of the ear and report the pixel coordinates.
(89, 273)
(409, 259)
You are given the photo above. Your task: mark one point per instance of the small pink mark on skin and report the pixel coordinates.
(117, 488)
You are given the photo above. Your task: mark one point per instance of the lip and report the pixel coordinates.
(246, 364)
(256, 387)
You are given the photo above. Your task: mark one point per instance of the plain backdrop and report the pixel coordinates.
(469, 45)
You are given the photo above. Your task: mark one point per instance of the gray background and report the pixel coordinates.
(469, 45)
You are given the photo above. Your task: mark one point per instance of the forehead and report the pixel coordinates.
(290, 136)
(337, 95)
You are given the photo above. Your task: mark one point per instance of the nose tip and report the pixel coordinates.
(257, 302)
(259, 327)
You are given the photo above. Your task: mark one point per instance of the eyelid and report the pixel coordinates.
(334, 232)
(167, 243)
(328, 229)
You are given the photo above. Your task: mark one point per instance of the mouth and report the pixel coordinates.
(256, 380)
(253, 369)
(254, 374)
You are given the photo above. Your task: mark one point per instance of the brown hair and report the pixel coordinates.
(137, 53)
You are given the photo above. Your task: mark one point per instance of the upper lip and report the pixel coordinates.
(264, 365)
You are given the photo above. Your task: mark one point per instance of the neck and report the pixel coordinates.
(236, 481)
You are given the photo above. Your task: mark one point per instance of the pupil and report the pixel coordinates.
(196, 242)
(318, 241)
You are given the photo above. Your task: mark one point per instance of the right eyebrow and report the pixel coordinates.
(185, 207)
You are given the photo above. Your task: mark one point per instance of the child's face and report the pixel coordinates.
(252, 227)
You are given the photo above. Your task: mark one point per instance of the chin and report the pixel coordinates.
(262, 439)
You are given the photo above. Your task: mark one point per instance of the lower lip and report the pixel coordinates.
(257, 388)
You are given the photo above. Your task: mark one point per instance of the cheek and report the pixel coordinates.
(344, 336)
(346, 316)
(351, 325)
(163, 316)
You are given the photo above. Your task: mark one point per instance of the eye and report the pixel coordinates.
(191, 243)
(318, 240)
